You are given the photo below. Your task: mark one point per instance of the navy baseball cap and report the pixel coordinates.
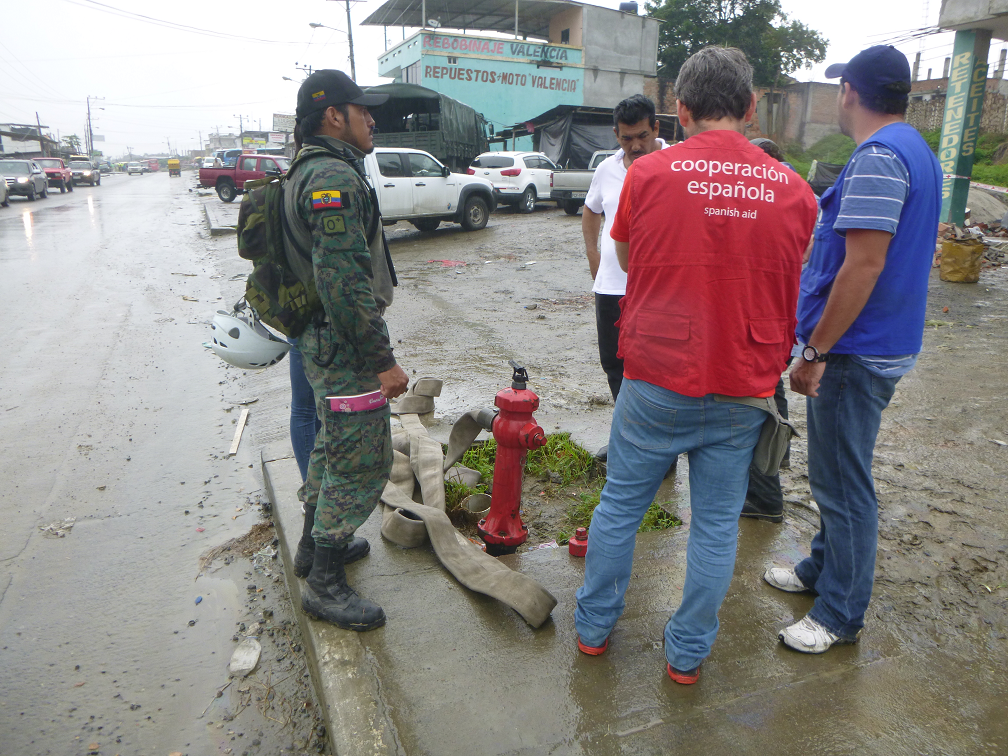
(881, 71)
(331, 87)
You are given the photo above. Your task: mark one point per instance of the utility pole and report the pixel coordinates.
(87, 133)
(349, 26)
(41, 144)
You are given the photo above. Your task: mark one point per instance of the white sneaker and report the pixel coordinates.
(808, 636)
(784, 579)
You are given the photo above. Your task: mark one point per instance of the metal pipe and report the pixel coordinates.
(516, 19)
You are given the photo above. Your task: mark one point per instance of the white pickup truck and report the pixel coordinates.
(569, 188)
(413, 186)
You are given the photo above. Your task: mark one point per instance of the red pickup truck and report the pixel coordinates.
(230, 182)
(57, 174)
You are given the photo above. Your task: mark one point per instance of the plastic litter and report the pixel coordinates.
(199, 599)
(245, 657)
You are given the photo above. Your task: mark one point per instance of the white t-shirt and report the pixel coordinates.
(603, 197)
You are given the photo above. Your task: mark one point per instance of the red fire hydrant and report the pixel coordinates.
(515, 431)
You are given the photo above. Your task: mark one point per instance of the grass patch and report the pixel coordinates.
(572, 484)
(562, 456)
(656, 518)
(835, 148)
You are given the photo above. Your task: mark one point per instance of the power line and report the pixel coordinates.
(95, 5)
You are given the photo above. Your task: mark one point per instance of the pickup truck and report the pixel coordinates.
(56, 173)
(413, 186)
(230, 182)
(570, 187)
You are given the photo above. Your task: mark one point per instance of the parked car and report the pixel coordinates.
(413, 186)
(84, 173)
(134, 168)
(4, 194)
(230, 182)
(24, 177)
(57, 173)
(570, 187)
(518, 178)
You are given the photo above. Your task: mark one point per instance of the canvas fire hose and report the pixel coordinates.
(419, 462)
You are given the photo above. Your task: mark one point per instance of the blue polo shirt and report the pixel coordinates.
(891, 183)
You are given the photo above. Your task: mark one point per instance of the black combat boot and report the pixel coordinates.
(327, 596)
(358, 548)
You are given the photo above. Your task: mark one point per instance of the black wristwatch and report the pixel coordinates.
(810, 354)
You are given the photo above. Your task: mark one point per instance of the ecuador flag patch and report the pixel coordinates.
(330, 199)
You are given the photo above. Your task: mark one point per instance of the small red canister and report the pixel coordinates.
(578, 544)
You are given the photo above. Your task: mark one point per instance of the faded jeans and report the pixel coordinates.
(304, 422)
(843, 423)
(651, 427)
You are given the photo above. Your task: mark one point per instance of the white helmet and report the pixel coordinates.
(241, 340)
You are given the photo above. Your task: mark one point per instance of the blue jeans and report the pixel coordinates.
(304, 422)
(843, 422)
(651, 427)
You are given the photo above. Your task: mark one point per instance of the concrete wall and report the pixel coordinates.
(616, 41)
(570, 18)
(805, 112)
(620, 55)
(975, 14)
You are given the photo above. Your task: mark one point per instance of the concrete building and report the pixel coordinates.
(562, 53)
(22, 140)
(803, 112)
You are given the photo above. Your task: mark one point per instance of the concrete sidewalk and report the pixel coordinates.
(455, 672)
(221, 217)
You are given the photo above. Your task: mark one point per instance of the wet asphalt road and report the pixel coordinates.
(112, 413)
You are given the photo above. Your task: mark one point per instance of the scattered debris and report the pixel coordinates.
(59, 528)
(187, 298)
(245, 657)
(238, 432)
(260, 536)
(199, 599)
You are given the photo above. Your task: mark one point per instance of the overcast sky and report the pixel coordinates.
(161, 82)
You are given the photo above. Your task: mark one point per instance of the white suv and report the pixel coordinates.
(519, 178)
(413, 186)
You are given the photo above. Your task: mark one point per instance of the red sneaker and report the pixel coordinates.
(683, 678)
(593, 650)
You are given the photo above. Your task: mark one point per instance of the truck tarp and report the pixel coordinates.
(822, 176)
(569, 142)
(412, 108)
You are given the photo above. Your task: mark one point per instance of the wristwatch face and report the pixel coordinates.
(810, 353)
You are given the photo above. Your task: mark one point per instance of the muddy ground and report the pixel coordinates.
(469, 302)
(134, 384)
(941, 459)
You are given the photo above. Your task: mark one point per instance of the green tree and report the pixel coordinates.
(775, 44)
(72, 143)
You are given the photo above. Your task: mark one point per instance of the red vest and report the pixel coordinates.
(717, 233)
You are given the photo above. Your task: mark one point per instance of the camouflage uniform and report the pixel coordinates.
(327, 201)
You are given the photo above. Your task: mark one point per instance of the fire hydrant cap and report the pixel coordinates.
(517, 401)
(578, 544)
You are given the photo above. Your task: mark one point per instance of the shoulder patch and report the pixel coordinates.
(329, 199)
(334, 224)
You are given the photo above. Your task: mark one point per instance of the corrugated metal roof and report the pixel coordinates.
(478, 15)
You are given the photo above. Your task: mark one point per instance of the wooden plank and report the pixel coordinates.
(238, 432)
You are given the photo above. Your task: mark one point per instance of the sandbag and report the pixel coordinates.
(961, 260)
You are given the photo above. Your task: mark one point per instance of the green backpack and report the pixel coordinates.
(281, 300)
